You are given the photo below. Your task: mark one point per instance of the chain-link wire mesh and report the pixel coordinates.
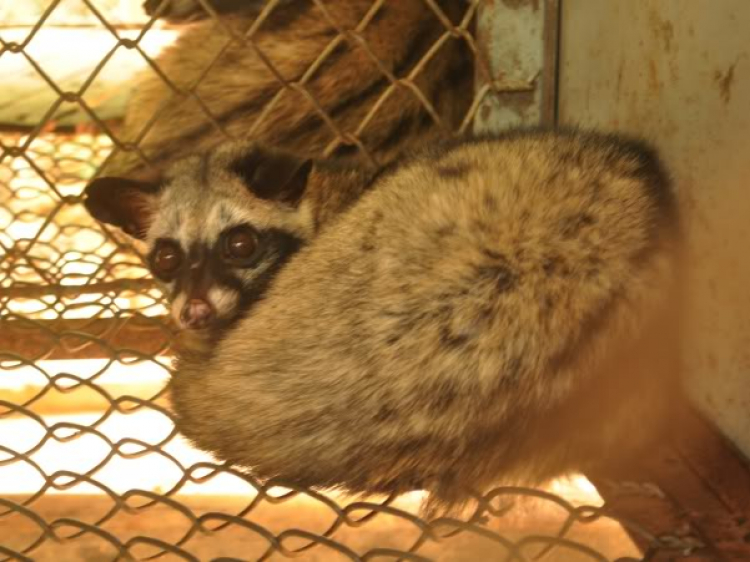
(91, 467)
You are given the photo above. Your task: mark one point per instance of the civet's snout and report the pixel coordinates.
(197, 314)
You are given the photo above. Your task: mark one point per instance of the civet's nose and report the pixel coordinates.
(196, 314)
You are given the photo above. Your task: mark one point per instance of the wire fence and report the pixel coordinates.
(91, 467)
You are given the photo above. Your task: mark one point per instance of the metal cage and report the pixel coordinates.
(91, 467)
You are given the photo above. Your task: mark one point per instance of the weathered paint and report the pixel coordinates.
(517, 41)
(678, 73)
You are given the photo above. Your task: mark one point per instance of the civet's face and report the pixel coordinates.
(217, 228)
(213, 279)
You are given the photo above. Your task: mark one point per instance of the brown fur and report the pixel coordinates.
(245, 98)
(492, 311)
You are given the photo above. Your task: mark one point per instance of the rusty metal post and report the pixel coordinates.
(518, 44)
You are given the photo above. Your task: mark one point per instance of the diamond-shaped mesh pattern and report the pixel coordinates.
(91, 467)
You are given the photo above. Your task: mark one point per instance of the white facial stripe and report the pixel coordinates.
(188, 216)
(263, 215)
(232, 214)
(165, 221)
(186, 234)
(223, 299)
(215, 223)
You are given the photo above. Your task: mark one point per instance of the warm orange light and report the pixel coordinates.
(150, 472)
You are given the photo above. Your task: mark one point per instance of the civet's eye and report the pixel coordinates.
(166, 258)
(240, 244)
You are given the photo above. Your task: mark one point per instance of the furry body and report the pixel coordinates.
(494, 310)
(238, 95)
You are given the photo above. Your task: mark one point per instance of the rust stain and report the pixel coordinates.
(663, 29)
(521, 102)
(674, 71)
(667, 34)
(725, 81)
(653, 76)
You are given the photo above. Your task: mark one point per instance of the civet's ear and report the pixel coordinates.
(125, 203)
(274, 175)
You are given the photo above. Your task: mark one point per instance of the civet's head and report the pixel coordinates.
(217, 227)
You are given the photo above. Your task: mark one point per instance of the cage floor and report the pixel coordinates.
(163, 523)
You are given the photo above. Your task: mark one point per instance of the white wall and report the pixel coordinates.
(678, 72)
